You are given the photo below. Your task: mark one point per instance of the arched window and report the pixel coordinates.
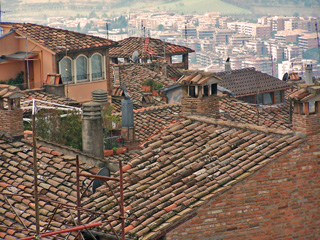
(96, 66)
(66, 69)
(82, 68)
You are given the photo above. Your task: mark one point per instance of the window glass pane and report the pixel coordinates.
(267, 98)
(260, 99)
(214, 89)
(249, 99)
(192, 91)
(312, 107)
(65, 70)
(96, 63)
(82, 71)
(277, 97)
(205, 91)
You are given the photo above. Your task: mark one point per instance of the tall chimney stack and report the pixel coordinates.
(308, 74)
(11, 117)
(92, 131)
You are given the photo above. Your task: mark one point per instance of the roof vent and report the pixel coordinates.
(100, 96)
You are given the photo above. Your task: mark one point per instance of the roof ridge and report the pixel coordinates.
(247, 126)
(155, 108)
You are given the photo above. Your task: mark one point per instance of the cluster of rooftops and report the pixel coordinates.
(182, 161)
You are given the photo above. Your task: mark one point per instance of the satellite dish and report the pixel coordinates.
(97, 183)
(135, 56)
(285, 77)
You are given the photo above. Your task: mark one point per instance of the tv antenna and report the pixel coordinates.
(316, 26)
(97, 183)
(107, 28)
(186, 33)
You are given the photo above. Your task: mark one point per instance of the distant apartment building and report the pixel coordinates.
(205, 33)
(206, 45)
(236, 61)
(297, 65)
(263, 64)
(296, 23)
(256, 46)
(252, 29)
(308, 41)
(292, 51)
(239, 39)
(222, 36)
(288, 36)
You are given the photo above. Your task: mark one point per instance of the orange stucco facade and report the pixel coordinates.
(44, 61)
(40, 63)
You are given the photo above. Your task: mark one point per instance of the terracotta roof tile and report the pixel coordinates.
(53, 37)
(248, 81)
(146, 47)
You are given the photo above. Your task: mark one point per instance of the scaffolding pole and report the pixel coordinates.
(77, 228)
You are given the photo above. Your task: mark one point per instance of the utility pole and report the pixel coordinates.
(35, 170)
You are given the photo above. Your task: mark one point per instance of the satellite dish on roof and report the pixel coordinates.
(135, 56)
(97, 183)
(285, 77)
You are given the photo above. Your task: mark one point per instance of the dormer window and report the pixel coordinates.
(192, 91)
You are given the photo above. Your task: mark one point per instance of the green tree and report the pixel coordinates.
(66, 131)
(93, 15)
(312, 53)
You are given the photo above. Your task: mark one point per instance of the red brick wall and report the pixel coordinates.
(207, 106)
(308, 124)
(11, 122)
(280, 201)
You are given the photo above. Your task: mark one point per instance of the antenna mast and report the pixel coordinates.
(316, 26)
(186, 33)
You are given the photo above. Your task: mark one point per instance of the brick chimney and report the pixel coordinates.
(11, 116)
(92, 131)
(306, 110)
(199, 94)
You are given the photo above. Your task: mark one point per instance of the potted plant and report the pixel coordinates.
(156, 86)
(147, 85)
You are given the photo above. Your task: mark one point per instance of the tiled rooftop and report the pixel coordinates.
(197, 78)
(56, 183)
(188, 162)
(276, 116)
(152, 120)
(146, 47)
(184, 166)
(248, 81)
(44, 96)
(134, 75)
(53, 37)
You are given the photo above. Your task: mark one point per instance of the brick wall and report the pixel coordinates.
(11, 122)
(207, 106)
(308, 124)
(279, 201)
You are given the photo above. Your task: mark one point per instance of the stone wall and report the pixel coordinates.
(279, 201)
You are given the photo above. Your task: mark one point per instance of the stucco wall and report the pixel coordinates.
(82, 91)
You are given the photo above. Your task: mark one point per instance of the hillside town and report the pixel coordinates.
(274, 45)
(160, 126)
